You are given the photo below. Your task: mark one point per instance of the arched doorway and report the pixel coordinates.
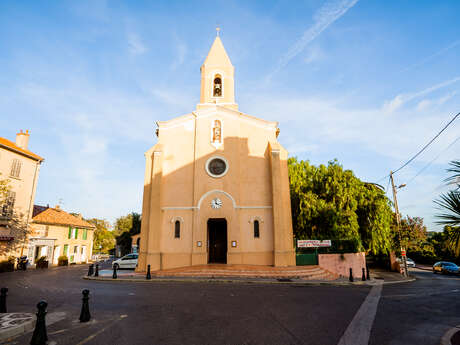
(217, 239)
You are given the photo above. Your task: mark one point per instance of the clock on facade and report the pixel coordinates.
(216, 203)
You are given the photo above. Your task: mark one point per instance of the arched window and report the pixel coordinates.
(177, 229)
(217, 89)
(256, 229)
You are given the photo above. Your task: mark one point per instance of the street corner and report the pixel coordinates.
(452, 336)
(13, 324)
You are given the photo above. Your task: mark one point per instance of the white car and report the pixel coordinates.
(127, 261)
(410, 262)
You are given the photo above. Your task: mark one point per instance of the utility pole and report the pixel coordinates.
(398, 221)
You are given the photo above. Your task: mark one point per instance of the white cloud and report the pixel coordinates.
(135, 44)
(313, 54)
(404, 98)
(181, 51)
(323, 18)
(432, 56)
(426, 103)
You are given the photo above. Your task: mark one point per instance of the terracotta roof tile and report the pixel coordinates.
(60, 217)
(13, 146)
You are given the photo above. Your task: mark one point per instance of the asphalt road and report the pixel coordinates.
(196, 313)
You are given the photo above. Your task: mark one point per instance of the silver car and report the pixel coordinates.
(127, 261)
(410, 262)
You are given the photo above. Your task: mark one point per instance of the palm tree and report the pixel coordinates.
(450, 203)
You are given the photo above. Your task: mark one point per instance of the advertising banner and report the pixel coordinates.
(313, 243)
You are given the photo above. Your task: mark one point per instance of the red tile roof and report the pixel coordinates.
(57, 216)
(12, 146)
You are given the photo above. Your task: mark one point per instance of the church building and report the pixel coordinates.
(216, 186)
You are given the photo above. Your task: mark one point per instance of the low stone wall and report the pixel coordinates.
(341, 263)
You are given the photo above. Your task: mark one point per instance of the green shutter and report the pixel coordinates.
(76, 232)
(85, 234)
(70, 232)
(66, 248)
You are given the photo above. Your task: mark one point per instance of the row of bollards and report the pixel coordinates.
(40, 336)
(91, 271)
(365, 274)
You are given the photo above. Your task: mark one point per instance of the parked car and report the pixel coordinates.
(410, 262)
(127, 261)
(446, 267)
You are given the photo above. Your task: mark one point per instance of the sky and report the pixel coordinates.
(368, 83)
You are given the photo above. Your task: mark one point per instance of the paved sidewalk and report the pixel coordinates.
(250, 275)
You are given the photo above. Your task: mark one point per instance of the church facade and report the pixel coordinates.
(216, 186)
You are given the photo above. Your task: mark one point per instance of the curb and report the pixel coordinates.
(24, 327)
(445, 340)
(234, 281)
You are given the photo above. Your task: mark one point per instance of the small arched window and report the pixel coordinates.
(177, 229)
(217, 89)
(256, 229)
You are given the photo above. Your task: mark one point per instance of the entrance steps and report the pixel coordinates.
(313, 272)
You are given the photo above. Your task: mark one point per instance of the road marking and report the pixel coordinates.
(84, 341)
(359, 330)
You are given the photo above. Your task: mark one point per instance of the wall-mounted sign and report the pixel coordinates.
(313, 243)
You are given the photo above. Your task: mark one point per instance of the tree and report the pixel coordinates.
(329, 202)
(450, 204)
(125, 227)
(14, 222)
(104, 240)
(4, 189)
(413, 233)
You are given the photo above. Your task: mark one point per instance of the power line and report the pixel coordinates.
(435, 158)
(423, 148)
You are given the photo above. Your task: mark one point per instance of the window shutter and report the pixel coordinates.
(85, 234)
(70, 232)
(66, 248)
(76, 233)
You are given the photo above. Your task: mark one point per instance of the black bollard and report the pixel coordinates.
(114, 275)
(85, 316)
(368, 276)
(351, 275)
(3, 293)
(90, 270)
(96, 274)
(148, 276)
(40, 337)
(363, 278)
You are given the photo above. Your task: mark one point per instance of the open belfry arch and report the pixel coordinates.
(216, 185)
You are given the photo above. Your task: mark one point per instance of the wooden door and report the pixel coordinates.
(217, 236)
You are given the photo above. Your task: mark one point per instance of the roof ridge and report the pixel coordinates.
(11, 145)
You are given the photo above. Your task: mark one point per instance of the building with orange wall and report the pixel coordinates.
(216, 186)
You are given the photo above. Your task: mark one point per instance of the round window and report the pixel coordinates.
(217, 166)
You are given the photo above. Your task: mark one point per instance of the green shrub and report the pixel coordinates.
(63, 260)
(7, 265)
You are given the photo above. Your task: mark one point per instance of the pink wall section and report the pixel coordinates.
(341, 263)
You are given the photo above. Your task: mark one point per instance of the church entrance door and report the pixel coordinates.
(217, 237)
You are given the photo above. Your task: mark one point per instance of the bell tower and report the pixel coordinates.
(217, 78)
